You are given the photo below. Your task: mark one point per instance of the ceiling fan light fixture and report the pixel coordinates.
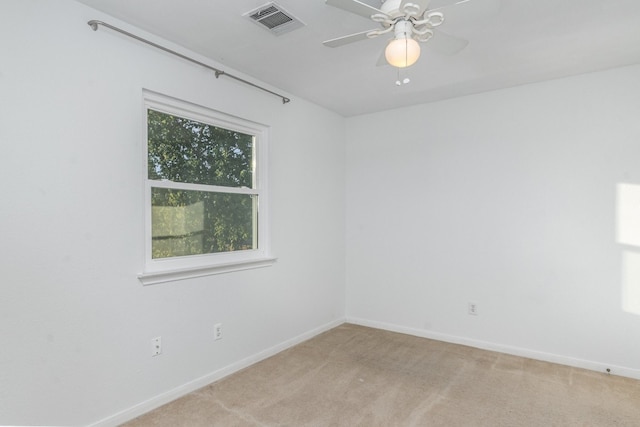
(402, 52)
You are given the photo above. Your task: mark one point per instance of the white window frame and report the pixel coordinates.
(176, 268)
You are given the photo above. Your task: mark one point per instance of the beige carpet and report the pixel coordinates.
(357, 376)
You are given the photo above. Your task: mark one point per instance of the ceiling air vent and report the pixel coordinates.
(274, 18)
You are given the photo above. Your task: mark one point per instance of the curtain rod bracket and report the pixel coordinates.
(94, 26)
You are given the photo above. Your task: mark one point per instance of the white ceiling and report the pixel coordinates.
(519, 42)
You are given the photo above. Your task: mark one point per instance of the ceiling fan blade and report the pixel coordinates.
(424, 4)
(382, 60)
(446, 43)
(351, 38)
(355, 6)
(472, 11)
(439, 4)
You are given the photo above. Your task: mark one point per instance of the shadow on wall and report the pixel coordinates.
(628, 234)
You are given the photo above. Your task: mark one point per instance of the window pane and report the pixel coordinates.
(183, 150)
(188, 222)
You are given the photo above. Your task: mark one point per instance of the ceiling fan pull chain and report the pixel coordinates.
(404, 81)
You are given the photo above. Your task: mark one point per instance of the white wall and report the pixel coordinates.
(507, 199)
(75, 322)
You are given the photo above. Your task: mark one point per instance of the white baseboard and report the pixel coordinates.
(164, 398)
(500, 348)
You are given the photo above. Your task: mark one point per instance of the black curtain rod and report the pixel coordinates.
(94, 25)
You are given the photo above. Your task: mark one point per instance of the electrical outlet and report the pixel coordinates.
(217, 331)
(156, 346)
(473, 308)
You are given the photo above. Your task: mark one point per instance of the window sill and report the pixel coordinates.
(152, 278)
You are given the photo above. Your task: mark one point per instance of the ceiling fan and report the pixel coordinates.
(409, 21)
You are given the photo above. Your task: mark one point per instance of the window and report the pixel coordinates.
(205, 191)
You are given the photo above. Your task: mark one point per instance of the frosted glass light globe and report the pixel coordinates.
(402, 52)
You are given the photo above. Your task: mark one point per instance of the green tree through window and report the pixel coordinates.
(201, 179)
